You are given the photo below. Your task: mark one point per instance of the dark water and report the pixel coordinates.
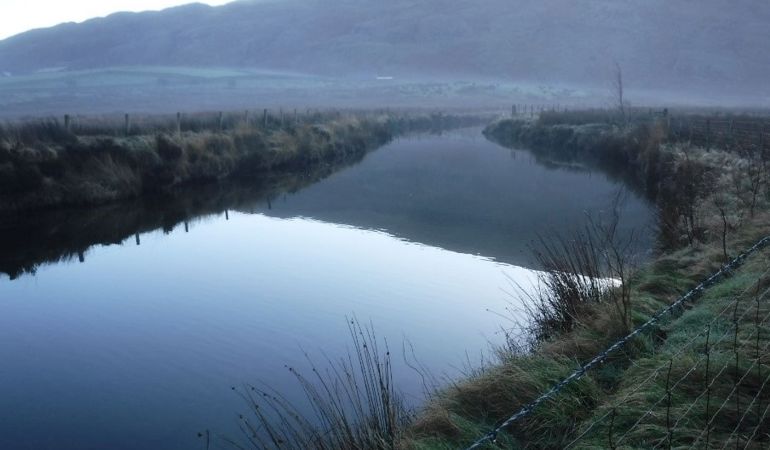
(132, 346)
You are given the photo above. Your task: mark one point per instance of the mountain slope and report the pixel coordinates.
(698, 44)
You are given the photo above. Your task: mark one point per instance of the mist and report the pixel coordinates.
(400, 53)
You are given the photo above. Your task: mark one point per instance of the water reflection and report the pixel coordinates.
(137, 345)
(456, 191)
(55, 236)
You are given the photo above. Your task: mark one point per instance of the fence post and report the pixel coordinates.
(668, 404)
(264, 118)
(179, 123)
(612, 426)
(67, 123)
(708, 134)
(758, 330)
(128, 124)
(736, 377)
(708, 386)
(136, 237)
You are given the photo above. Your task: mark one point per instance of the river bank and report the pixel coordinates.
(45, 164)
(712, 204)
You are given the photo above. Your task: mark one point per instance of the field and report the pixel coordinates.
(153, 89)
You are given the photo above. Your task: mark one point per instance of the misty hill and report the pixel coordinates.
(695, 44)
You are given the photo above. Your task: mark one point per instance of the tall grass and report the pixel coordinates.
(349, 405)
(579, 271)
(45, 164)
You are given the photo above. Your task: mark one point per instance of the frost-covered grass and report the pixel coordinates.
(44, 164)
(705, 198)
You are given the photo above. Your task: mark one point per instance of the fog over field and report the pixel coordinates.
(393, 53)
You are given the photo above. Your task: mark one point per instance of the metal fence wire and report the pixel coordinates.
(721, 375)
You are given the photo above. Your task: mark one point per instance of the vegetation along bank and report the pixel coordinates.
(706, 176)
(697, 378)
(87, 161)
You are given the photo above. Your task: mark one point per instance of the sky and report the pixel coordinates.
(17, 16)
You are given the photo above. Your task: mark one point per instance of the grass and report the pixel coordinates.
(44, 163)
(353, 401)
(629, 400)
(683, 352)
(700, 188)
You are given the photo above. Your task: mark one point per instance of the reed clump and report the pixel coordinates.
(350, 404)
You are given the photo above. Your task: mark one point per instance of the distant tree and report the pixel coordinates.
(618, 93)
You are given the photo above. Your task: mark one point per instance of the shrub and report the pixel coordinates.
(168, 150)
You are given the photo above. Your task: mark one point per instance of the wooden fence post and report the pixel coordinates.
(264, 118)
(128, 124)
(708, 134)
(221, 120)
(668, 405)
(708, 387)
(179, 123)
(67, 123)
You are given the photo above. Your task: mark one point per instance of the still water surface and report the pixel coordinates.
(137, 346)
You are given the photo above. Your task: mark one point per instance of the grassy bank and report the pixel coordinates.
(49, 236)
(712, 204)
(49, 163)
(700, 375)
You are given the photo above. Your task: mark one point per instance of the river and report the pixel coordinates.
(126, 326)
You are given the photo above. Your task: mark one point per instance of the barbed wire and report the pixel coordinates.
(638, 386)
(694, 402)
(658, 369)
(576, 375)
(670, 388)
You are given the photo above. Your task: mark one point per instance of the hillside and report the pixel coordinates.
(698, 45)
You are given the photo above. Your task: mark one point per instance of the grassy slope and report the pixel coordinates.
(404, 37)
(467, 410)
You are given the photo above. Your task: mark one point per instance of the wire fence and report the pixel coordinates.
(213, 121)
(128, 124)
(722, 132)
(707, 130)
(627, 420)
(682, 413)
